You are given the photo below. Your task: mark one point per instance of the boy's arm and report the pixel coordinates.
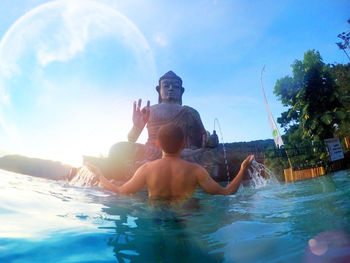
(135, 184)
(210, 186)
(106, 184)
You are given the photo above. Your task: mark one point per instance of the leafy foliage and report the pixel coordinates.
(317, 98)
(312, 98)
(341, 74)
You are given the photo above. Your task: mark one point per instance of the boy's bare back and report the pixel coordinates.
(174, 178)
(171, 177)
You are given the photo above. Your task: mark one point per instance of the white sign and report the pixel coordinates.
(334, 149)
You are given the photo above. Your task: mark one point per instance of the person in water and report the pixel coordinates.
(172, 177)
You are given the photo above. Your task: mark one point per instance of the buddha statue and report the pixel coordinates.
(168, 110)
(125, 157)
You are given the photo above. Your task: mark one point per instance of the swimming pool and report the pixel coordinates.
(48, 221)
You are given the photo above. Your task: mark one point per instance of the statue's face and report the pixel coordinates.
(170, 91)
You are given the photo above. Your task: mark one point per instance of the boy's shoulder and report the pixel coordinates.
(180, 161)
(192, 166)
(184, 164)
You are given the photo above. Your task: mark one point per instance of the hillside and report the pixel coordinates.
(33, 166)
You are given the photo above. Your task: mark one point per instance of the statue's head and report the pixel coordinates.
(170, 88)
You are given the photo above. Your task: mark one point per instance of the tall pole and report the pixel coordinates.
(346, 53)
(346, 45)
(275, 132)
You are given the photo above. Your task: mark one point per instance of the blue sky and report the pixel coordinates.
(70, 70)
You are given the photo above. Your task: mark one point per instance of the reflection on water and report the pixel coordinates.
(43, 220)
(162, 233)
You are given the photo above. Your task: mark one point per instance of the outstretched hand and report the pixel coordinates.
(247, 162)
(140, 117)
(93, 168)
(104, 182)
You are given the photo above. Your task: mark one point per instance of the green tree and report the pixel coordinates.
(314, 102)
(341, 74)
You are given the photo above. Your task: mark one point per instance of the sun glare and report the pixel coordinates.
(70, 82)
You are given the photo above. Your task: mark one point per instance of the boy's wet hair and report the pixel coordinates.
(170, 138)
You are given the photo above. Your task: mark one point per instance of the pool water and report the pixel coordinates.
(48, 221)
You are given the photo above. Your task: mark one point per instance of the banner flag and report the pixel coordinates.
(275, 133)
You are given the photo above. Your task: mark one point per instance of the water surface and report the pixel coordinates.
(48, 221)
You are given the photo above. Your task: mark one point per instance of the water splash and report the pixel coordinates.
(260, 176)
(257, 172)
(84, 178)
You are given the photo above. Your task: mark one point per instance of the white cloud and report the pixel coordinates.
(161, 39)
(71, 38)
(67, 26)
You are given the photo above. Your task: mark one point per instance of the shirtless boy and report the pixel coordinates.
(171, 177)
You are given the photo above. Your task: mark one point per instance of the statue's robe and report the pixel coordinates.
(188, 120)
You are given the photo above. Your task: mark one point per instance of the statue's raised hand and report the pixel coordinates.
(140, 117)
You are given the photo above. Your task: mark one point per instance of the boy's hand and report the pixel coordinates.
(93, 168)
(104, 182)
(247, 162)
